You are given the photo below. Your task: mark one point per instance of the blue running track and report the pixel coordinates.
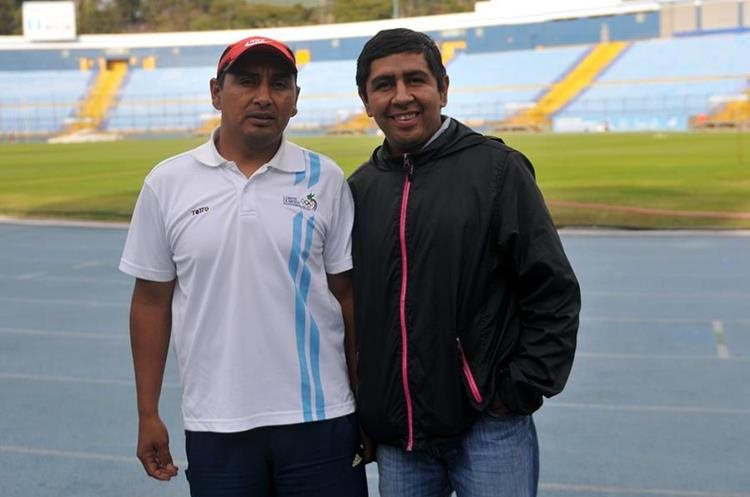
(658, 403)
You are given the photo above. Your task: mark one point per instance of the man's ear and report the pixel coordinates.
(444, 92)
(215, 93)
(296, 99)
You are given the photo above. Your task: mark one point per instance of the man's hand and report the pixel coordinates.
(498, 408)
(368, 447)
(153, 449)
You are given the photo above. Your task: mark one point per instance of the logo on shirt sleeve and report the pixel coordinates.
(307, 202)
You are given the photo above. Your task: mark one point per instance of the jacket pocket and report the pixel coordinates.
(468, 375)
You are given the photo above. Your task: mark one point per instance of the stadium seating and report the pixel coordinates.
(328, 94)
(173, 99)
(492, 86)
(39, 102)
(661, 84)
(177, 98)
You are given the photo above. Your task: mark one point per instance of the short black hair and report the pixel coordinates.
(395, 41)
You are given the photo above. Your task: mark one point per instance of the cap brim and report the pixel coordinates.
(263, 49)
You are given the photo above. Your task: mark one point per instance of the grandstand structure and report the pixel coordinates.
(562, 65)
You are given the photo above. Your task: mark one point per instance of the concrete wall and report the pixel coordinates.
(695, 17)
(720, 15)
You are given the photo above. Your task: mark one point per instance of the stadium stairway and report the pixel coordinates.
(357, 125)
(100, 97)
(538, 117)
(448, 49)
(733, 114)
(207, 125)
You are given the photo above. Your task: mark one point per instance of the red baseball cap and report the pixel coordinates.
(252, 43)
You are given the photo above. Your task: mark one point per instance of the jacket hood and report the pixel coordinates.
(456, 137)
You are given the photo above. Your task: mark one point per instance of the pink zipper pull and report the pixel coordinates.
(468, 374)
(408, 166)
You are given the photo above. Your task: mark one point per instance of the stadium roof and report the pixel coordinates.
(487, 13)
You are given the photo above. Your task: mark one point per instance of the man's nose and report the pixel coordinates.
(403, 95)
(263, 94)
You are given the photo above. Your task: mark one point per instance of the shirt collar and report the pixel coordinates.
(443, 127)
(207, 154)
(287, 158)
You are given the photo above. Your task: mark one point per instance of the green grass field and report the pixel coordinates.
(683, 180)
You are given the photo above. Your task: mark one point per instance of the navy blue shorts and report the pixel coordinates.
(315, 459)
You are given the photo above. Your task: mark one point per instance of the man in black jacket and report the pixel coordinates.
(466, 306)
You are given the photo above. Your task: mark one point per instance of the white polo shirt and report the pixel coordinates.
(257, 333)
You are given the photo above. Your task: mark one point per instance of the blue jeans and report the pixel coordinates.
(497, 457)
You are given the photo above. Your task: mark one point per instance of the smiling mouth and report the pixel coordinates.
(404, 117)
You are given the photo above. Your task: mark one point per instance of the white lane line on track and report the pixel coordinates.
(89, 303)
(30, 276)
(646, 408)
(70, 454)
(88, 280)
(633, 234)
(722, 350)
(657, 357)
(627, 319)
(74, 380)
(638, 491)
(63, 334)
(93, 263)
(668, 295)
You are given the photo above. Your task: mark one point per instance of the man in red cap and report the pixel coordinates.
(241, 253)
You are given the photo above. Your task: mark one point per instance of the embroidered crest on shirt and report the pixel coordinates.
(307, 202)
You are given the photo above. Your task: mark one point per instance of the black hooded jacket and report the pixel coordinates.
(462, 289)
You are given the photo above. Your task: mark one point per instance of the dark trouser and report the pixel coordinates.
(315, 459)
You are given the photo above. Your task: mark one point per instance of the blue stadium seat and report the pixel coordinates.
(655, 84)
(328, 94)
(163, 100)
(39, 102)
(492, 86)
(661, 84)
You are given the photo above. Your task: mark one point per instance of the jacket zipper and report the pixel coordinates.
(468, 374)
(402, 301)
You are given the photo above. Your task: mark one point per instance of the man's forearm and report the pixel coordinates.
(341, 287)
(150, 328)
